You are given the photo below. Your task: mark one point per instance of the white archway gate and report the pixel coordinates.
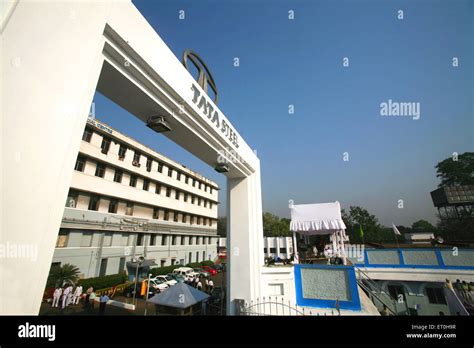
(54, 56)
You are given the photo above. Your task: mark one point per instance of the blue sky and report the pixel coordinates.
(337, 109)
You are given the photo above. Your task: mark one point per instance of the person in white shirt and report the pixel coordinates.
(77, 295)
(196, 281)
(210, 286)
(66, 296)
(199, 285)
(56, 296)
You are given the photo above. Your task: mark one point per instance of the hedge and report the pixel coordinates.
(103, 282)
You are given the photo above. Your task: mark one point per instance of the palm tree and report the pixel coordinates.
(59, 276)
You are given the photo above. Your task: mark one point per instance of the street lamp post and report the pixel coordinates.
(138, 262)
(147, 292)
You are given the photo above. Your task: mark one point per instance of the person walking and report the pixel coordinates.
(196, 281)
(199, 285)
(69, 295)
(210, 286)
(87, 298)
(102, 303)
(57, 296)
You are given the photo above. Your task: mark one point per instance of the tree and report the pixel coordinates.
(373, 231)
(459, 171)
(422, 226)
(222, 226)
(273, 226)
(59, 276)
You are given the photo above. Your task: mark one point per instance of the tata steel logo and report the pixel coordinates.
(207, 107)
(205, 78)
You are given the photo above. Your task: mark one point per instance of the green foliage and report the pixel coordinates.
(103, 282)
(373, 231)
(422, 226)
(163, 270)
(460, 172)
(273, 226)
(456, 228)
(60, 276)
(222, 226)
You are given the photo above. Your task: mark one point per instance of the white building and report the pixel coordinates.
(281, 247)
(127, 200)
(419, 237)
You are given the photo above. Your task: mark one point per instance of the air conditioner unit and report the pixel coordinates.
(222, 168)
(158, 124)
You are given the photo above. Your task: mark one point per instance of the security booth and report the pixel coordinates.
(182, 300)
(321, 219)
(139, 269)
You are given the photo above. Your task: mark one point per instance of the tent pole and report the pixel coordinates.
(295, 251)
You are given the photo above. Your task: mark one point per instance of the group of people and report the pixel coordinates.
(196, 283)
(463, 288)
(67, 295)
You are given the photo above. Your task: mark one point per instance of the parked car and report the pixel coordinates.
(164, 279)
(202, 273)
(186, 272)
(158, 285)
(209, 270)
(179, 278)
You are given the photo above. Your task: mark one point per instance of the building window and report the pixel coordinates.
(199, 220)
(193, 198)
(435, 295)
(167, 215)
(136, 159)
(149, 162)
(146, 184)
(129, 209)
(173, 240)
(160, 167)
(103, 267)
(133, 181)
(176, 195)
(168, 192)
(273, 250)
(153, 239)
(100, 170)
(164, 240)
(185, 196)
(175, 217)
(158, 189)
(210, 188)
(121, 265)
(105, 146)
(170, 172)
(205, 203)
(186, 179)
(182, 240)
(122, 152)
(205, 188)
(178, 175)
(156, 212)
(191, 241)
(210, 222)
(87, 135)
(71, 201)
(113, 206)
(194, 182)
(94, 203)
(210, 205)
(265, 250)
(192, 220)
(80, 164)
(118, 176)
(199, 201)
(396, 291)
(203, 255)
(86, 239)
(282, 250)
(61, 242)
(183, 218)
(140, 239)
(200, 183)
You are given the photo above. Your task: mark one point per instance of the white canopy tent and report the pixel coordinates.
(320, 219)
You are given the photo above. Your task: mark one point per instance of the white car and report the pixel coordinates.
(158, 285)
(164, 279)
